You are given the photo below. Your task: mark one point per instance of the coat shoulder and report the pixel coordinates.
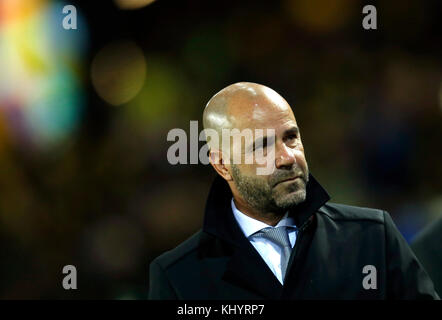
(337, 211)
(180, 252)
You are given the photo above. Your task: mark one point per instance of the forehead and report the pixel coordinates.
(267, 110)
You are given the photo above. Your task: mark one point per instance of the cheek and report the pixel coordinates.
(246, 169)
(250, 171)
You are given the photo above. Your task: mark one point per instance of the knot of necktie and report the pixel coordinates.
(280, 237)
(277, 235)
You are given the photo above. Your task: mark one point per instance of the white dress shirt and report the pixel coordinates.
(269, 251)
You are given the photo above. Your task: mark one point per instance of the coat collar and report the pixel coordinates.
(220, 222)
(245, 267)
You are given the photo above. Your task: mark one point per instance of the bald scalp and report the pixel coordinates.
(235, 104)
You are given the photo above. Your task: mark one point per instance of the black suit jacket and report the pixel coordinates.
(427, 246)
(334, 244)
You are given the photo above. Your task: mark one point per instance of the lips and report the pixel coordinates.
(288, 179)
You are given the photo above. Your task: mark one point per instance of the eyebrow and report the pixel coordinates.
(292, 130)
(263, 141)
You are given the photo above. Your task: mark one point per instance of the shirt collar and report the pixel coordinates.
(250, 225)
(220, 222)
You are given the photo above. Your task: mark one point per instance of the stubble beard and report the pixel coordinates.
(267, 196)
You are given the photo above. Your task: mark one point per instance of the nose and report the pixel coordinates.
(285, 157)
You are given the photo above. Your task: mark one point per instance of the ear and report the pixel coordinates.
(219, 164)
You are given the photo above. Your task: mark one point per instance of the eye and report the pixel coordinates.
(292, 136)
(260, 144)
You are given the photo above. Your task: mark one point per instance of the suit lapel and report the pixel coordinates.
(247, 269)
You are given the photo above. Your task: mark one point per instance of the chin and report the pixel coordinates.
(292, 199)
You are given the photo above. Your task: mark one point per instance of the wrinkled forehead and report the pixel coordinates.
(263, 109)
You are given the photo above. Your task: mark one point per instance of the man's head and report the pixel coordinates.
(252, 106)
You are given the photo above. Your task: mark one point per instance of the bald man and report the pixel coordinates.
(276, 235)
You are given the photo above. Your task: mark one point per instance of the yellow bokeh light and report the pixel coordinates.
(132, 4)
(118, 72)
(321, 16)
(13, 11)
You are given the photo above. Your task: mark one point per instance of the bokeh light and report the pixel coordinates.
(322, 16)
(163, 96)
(118, 72)
(41, 94)
(132, 4)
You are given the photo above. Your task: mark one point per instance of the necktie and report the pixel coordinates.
(280, 237)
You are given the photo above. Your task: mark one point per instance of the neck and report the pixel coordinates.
(270, 218)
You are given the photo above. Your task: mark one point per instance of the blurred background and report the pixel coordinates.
(84, 116)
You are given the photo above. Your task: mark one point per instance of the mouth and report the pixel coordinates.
(288, 180)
